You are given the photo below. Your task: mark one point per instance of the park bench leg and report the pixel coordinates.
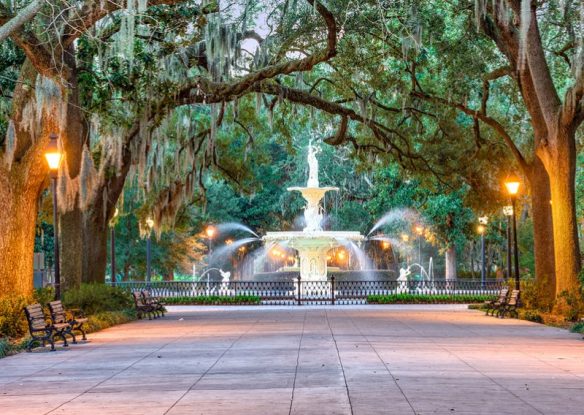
(83, 334)
(73, 336)
(61, 334)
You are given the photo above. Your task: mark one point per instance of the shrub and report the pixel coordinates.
(107, 319)
(213, 300)
(570, 305)
(43, 296)
(12, 319)
(97, 298)
(405, 298)
(578, 327)
(532, 315)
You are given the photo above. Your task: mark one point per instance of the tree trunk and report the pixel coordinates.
(562, 174)
(17, 231)
(450, 259)
(543, 236)
(74, 135)
(95, 232)
(20, 185)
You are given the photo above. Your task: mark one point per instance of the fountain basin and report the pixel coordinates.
(312, 248)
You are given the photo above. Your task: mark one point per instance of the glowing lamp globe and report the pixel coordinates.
(210, 231)
(512, 184)
(52, 154)
(150, 223)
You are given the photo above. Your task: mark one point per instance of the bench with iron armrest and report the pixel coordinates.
(41, 331)
(511, 305)
(60, 315)
(141, 307)
(493, 305)
(156, 303)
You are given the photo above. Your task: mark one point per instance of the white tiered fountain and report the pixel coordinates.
(313, 243)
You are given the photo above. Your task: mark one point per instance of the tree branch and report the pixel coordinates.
(499, 129)
(26, 14)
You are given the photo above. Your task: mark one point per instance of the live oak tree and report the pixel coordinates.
(88, 197)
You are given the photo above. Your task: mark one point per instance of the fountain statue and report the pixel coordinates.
(313, 243)
(312, 165)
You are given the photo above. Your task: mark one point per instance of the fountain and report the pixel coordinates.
(313, 243)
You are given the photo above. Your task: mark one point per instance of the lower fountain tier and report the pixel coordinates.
(313, 248)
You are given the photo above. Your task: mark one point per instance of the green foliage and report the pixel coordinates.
(214, 300)
(44, 296)
(428, 299)
(532, 296)
(578, 327)
(97, 298)
(570, 305)
(12, 319)
(104, 319)
(531, 315)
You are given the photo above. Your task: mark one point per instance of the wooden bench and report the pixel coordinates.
(510, 306)
(494, 305)
(141, 307)
(156, 303)
(40, 330)
(60, 315)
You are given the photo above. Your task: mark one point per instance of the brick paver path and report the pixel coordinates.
(305, 360)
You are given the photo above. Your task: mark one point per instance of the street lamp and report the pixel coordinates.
(150, 224)
(481, 229)
(508, 211)
(512, 184)
(113, 245)
(54, 156)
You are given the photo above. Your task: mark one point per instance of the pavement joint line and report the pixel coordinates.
(252, 325)
(121, 371)
(450, 352)
(340, 360)
(297, 362)
(383, 363)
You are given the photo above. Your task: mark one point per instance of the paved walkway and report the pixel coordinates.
(305, 360)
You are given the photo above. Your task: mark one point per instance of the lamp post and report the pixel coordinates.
(150, 224)
(53, 156)
(113, 245)
(210, 231)
(508, 211)
(482, 228)
(512, 184)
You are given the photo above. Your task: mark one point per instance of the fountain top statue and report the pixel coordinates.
(312, 193)
(313, 243)
(312, 165)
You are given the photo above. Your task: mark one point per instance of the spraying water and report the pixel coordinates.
(234, 226)
(396, 216)
(396, 243)
(226, 250)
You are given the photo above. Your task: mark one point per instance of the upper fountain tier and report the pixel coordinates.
(313, 193)
(313, 243)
